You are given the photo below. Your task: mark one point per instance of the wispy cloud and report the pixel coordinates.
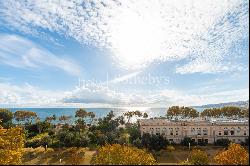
(159, 98)
(19, 52)
(140, 32)
(124, 77)
(27, 94)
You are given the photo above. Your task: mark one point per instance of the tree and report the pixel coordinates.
(22, 116)
(173, 111)
(6, 118)
(51, 118)
(199, 157)
(133, 131)
(91, 115)
(170, 148)
(145, 115)
(81, 115)
(222, 142)
(231, 111)
(11, 145)
(187, 140)
(234, 155)
(211, 112)
(154, 142)
(65, 119)
(75, 156)
(130, 114)
(122, 155)
(245, 112)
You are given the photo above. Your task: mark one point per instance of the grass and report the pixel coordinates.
(182, 153)
(38, 156)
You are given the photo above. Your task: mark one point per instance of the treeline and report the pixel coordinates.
(86, 131)
(188, 112)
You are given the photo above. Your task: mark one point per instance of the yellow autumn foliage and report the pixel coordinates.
(75, 156)
(122, 155)
(234, 155)
(11, 145)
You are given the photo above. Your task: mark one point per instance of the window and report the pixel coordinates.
(171, 131)
(205, 131)
(171, 140)
(225, 132)
(245, 133)
(176, 133)
(219, 132)
(231, 132)
(199, 131)
(238, 130)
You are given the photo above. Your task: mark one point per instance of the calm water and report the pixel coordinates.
(99, 112)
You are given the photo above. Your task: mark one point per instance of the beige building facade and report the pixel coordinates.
(209, 131)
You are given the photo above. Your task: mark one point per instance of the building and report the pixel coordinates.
(199, 130)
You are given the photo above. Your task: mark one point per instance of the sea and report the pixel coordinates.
(99, 112)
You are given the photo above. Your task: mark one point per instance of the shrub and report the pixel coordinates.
(187, 140)
(199, 157)
(202, 142)
(222, 142)
(170, 148)
(122, 155)
(11, 146)
(75, 156)
(185, 162)
(234, 155)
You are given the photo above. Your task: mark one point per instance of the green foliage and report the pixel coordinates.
(38, 140)
(222, 142)
(25, 116)
(187, 140)
(227, 111)
(199, 157)
(64, 119)
(133, 131)
(202, 142)
(183, 112)
(38, 128)
(130, 114)
(71, 138)
(6, 117)
(154, 142)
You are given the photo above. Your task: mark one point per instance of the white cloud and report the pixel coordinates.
(84, 96)
(26, 94)
(158, 98)
(139, 32)
(124, 77)
(22, 53)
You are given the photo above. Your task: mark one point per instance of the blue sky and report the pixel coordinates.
(123, 53)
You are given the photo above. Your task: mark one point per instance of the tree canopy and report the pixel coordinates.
(122, 155)
(11, 145)
(234, 155)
